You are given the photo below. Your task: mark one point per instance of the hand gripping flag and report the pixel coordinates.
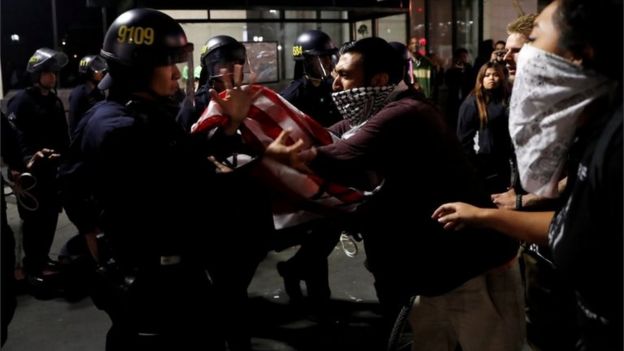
(302, 196)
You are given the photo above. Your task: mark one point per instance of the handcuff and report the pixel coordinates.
(22, 186)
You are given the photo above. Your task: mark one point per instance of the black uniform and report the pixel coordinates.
(586, 234)
(152, 188)
(318, 239)
(188, 114)
(82, 98)
(316, 102)
(40, 123)
(251, 223)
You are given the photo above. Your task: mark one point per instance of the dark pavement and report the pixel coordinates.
(352, 322)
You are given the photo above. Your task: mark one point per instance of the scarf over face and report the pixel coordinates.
(359, 104)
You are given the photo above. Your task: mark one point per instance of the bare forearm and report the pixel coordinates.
(526, 226)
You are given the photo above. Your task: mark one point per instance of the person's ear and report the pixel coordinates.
(380, 79)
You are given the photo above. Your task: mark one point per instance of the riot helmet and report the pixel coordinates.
(45, 60)
(220, 51)
(92, 68)
(48, 60)
(317, 52)
(145, 37)
(140, 40)
(91, 64)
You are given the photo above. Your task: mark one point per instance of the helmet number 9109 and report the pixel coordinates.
(135, 35)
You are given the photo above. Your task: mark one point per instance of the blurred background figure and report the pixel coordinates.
(38, 117)
(483, 117)
(460, 81)
(91, 70)
(423, 71)
(486, 47)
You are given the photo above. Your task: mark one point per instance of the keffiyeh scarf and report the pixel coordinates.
(359, 104)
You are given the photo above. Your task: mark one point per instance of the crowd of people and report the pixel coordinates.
(509, 234)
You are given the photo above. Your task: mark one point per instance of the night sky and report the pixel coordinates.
(80, 27)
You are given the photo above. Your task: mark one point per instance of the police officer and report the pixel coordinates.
(232, 273)
(315, 56)
(39, 120)
(219, 52)
(152, 185)
(91, 69)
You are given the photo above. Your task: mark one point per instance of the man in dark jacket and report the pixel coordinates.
(408, 252)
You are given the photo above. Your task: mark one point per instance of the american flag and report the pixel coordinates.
(302, 196)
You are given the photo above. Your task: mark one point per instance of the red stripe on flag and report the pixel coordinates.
(267, 117)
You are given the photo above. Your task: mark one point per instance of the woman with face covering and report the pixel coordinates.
(566, 112)
(484, 113)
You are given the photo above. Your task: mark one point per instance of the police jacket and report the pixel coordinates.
(39, 120)
(316, 102)
(81, 99)
(146, 183)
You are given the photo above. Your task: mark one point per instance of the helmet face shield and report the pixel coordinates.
(174, 56)
(98, 65)
(92, 64)
(320, 67)
(45, 59)
(189, 84)
(226, 57)
(229, 68)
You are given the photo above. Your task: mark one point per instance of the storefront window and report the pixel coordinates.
(228, 14)
(467, 26)
(289, 14)
(392, 28)
(441, 31)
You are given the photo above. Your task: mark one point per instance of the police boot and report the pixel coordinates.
(292, 281)
(317, 283)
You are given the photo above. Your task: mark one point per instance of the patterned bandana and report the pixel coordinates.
(359, 104)
(549, 95)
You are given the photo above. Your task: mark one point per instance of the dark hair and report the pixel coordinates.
(483, 99)
(377, 57)
(595, 25)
